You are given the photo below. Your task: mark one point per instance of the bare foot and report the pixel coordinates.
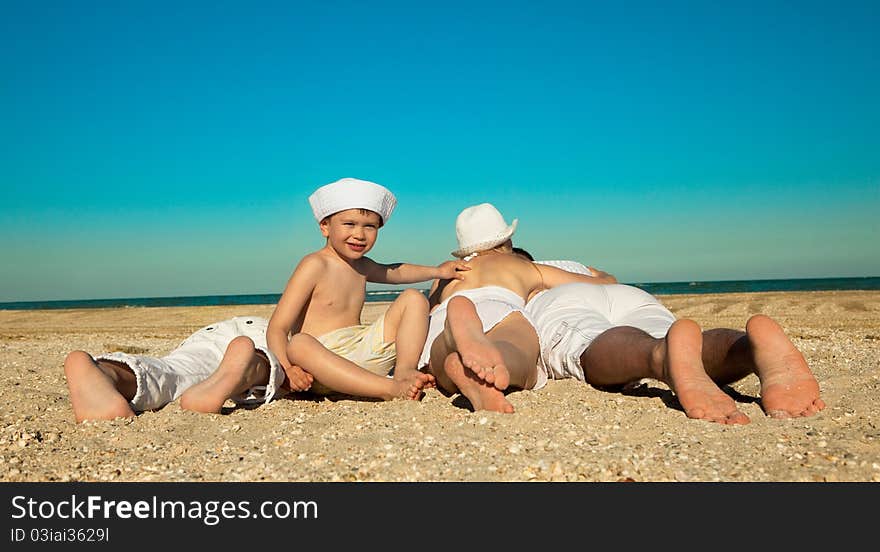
(93, 393)
(209, 395)
(788, 388)
(478, 354)
(483, 395)
(239, 369)
(404, 374)
(684, 373)
(410, 385)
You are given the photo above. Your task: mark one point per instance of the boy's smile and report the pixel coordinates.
(351, 233)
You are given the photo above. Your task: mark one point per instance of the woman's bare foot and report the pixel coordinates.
(478, 354)
(788, 387)
(410, 385)
(483, 395)
(684, 373)
(240, 369)
(93, 392)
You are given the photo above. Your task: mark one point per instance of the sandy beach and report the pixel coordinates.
(567, 431)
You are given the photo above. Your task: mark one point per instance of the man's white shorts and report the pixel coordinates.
(161, 380)
(569, 317)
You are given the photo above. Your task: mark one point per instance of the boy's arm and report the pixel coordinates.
(553, 276)
(288, 310)
(406, 273)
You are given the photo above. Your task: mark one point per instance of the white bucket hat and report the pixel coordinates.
(481, 227)
(351, 193)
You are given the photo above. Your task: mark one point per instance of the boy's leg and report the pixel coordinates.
(346, 377)
(241, 368)
(788, 387)
(99, 390)
(623, 354)
(406, 325)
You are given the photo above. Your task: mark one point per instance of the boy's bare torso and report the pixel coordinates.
(337, 299)
(493, 268)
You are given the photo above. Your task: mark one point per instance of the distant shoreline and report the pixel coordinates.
(869, 283)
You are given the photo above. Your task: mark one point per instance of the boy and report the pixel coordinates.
(614, 335)
(225, 360)
(329, 349)
(480, 339)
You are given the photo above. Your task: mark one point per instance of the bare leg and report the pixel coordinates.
(98, 390)
(346, 377)
(463, 332)
(241, 368)
(406, 324)
(623, 354)
(788, 387)
(481, 366)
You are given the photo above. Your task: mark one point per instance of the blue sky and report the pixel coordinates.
(169, 148)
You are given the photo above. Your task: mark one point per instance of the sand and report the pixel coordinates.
(567, 431)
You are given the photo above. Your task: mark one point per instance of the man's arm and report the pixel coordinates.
(553, 277)
(288, 310)
(603, 276)
(406, 273)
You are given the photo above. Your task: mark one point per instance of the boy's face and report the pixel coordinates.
(351, 233)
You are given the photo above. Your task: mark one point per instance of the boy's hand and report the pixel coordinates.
(452, 270)
(298, 379)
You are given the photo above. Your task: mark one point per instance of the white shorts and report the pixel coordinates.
(569, 317)
(493, 304)
(161, 380)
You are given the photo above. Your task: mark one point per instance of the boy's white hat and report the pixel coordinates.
(481, 227)
(351, 193)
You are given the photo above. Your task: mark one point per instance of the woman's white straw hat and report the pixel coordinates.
(481, 227)
(352, 193)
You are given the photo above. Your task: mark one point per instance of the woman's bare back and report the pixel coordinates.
(493, 268)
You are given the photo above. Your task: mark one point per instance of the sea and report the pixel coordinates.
(376, 296)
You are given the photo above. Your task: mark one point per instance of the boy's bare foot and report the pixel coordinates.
(478, 354)
(410, 385)
(788, 388)
(239, 369)
(483, 395)
(93, 393)
(402, 375)
(684, 373)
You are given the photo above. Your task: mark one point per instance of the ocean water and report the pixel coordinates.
(655, 288)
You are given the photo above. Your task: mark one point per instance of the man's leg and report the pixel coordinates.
(624, 354)
(241, 368)
(788, 387)
(346, 377)
(99, 390)
(406, 325)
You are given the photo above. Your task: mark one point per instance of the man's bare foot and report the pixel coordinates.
(788, 387)
(483, 395)
(239, 369)
(93, 393)
(684, 373)
(478, 354)
(209, 395)
(410, 385)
